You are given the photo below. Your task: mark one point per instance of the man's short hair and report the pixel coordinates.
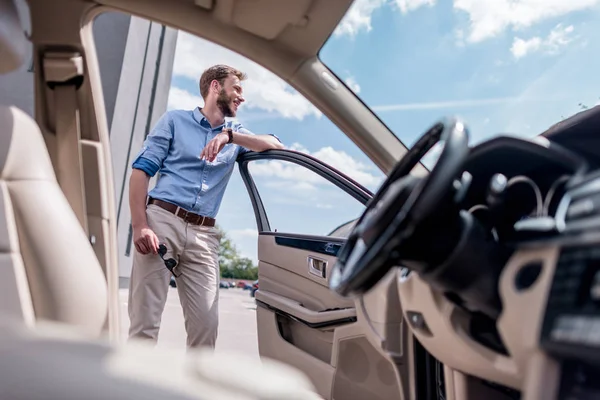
(218, 72)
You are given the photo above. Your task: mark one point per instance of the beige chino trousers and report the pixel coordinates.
(196, 249)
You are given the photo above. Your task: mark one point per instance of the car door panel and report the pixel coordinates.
(273, 345)
(303, 323)
(284, 270)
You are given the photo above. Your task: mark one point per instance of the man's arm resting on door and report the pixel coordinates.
(257, 143)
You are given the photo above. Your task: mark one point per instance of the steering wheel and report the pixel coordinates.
(402, 202)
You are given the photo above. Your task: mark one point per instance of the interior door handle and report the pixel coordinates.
(317, 266)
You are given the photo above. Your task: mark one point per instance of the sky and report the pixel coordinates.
(506, 67)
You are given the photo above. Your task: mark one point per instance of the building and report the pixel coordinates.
(136, 63)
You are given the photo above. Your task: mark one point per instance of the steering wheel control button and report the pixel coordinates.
(462, 187)
(498, 183)
(417, 321)
(497, 190)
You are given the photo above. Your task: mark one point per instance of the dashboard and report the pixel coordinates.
(541, 200)
(499, 255)
(516, 186)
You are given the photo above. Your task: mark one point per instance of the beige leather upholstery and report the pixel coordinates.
(13, 44)
(41, 240)
(52, 363)
(49, 269)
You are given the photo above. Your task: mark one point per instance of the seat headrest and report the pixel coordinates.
(13, 43)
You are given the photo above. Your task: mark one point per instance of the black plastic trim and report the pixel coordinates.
(262, 221)
(313, 244)
(429, 378)
(319, 325)
(553, 153)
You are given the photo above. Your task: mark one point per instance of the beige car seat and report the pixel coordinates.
(50, 271)
(53, 295)
(50, 363)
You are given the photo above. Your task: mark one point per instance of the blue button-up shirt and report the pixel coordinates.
(173, 148)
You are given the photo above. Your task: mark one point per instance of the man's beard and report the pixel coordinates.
(223, 102)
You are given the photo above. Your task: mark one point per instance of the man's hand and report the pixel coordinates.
(214, 147)
(145, 240)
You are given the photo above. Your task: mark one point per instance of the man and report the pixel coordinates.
(194, 153)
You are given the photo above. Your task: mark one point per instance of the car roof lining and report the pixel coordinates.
(295, 32)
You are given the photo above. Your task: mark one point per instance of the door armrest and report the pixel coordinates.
(299, 312)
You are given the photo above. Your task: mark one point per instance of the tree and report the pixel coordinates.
(231, 263)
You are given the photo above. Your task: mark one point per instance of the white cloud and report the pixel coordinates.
(521, 47)
(345, 163)
(306, 180)
(182, 99)
(490, 18)
(410, 5)
(353, 85)
(358, 17)
(263, 89)
(286, 171)
(558, 38)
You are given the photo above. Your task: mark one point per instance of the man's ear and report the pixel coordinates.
(215, 86)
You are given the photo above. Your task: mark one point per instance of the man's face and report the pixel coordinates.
(230, 97)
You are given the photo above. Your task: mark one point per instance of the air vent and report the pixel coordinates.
(579, 208)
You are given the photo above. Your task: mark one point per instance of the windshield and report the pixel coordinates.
(510, 67)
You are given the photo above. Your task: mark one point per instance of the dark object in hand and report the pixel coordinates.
(170, 263)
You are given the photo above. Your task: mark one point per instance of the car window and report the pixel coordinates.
(298, 200)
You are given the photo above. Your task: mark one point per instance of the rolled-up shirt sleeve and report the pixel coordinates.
(155, 147)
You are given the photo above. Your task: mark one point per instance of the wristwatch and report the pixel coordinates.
(230, 134)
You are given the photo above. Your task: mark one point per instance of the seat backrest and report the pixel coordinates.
(49, 269)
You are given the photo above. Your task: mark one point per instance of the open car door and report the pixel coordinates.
(300, 320)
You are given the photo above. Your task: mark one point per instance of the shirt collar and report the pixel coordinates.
(201, 119)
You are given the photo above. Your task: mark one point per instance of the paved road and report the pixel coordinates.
(237, 325)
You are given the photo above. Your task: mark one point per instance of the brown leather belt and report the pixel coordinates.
(183, 214)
